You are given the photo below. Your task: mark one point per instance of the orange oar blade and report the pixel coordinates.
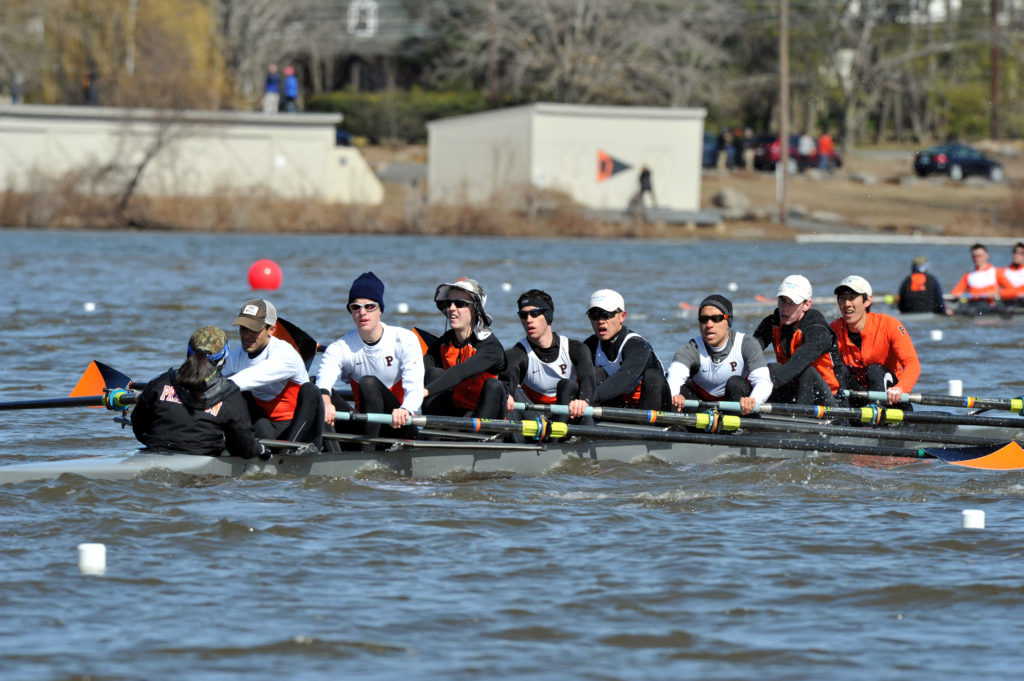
(1009, 457)
(98, 376)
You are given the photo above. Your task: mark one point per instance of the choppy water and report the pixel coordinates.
(784, 570)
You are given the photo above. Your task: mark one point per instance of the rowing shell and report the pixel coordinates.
(430, 459)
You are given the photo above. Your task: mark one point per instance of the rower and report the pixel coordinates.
(981, 286)
(462, 366)
(1014, 275)
(875, 348)
(805, 347)
(383, 364)
(921, 291)
(193, 409)
(543, 367)
(283, 403)
(720, 363)
(629, 374)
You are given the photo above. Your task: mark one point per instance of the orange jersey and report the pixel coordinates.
(1014, 276)
(824, 365)
(281, 407)
(984, 282)
(466, 394)
(885, 341)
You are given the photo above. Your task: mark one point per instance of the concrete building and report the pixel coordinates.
(193, 153)
(592, 153)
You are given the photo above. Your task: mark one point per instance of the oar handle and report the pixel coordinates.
(712, 421)
(1015, 405)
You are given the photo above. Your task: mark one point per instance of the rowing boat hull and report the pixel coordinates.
(417, 460)
(433, 459)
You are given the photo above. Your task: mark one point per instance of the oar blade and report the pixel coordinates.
(305, 344)
(1009, 457)
(97, 377)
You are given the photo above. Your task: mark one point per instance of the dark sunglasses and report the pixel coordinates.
(536, 312)
(443, 305)
(597, 314)
(356, 307)
(716, 318)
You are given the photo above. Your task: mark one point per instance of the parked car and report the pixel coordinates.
(958, 161)
(768, 151)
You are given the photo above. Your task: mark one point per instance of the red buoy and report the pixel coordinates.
(264, 274)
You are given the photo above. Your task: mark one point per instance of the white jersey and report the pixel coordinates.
(396, 360)
(712, 376)
(543, 377)
(610, 366)
(269, 373)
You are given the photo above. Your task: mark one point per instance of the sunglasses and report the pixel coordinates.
(443, 305)
(597, 314)
(716, 318)
(536, 312)
(356, 307)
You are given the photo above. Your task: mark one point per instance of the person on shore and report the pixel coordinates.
(545, 368)
(921, 291)
(283, 403)
(1014, 275)
(720, 363)
(193, 409)
(875, 348)
(463, 365)
(980, 286)
(272, 90)
(826, 151)
(291, 90)
(805, 347)
(383, 364)
(628, 372)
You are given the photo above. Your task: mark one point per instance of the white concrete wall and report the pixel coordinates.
(201, 153)
(471, 156)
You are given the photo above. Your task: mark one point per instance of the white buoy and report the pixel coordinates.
(506, 286)
(89, 306)
(973, 519)
(92, 559)
(936, 335)
(733, 286)
(956, 387)
(402, 308)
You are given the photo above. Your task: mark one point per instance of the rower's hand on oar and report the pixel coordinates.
(510, 404)
(577, 408)
(747, 405)
(329, 410)
(895, 394)
(400, 417)
(679, 402)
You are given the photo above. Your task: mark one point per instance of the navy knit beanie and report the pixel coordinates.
(367, 286)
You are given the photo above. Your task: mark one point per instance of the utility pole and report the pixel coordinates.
(782, 168)
(995, 69)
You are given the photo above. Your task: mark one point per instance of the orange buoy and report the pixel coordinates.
(265, 274)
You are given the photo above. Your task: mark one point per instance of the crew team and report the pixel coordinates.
(224, 398)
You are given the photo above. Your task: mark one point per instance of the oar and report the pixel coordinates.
(1015, 405)
(872, 414)
(714, 422)
(1008, 456)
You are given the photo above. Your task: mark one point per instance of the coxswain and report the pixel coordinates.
(1014, 275)
(383, 365)
(981, 286)
(545, 368)
(720, 363)
(805, 347)
(629, 374)
(283, 403)
(875, 348)
(921, 291)
(193, 409)
(463, 365)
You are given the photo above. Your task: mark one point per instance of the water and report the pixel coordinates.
(783, 570)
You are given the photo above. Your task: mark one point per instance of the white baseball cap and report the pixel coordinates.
(855, 284)
(796, 288)
(607, 300)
